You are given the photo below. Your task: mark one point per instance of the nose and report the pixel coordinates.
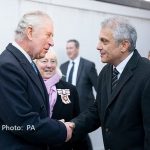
(99, 46)
(51, 41)
(48, 64)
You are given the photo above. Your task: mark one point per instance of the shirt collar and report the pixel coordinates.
(22, 50)
(122, 65)
(76, 60)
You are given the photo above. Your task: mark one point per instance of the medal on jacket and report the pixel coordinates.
(64, 93)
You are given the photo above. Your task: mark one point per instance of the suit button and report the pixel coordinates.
(42, 107)
(107, 129)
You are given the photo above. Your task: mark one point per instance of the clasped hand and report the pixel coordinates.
(70, 127)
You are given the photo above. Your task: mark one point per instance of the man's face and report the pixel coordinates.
(110, 51)
(72, 51)
(41, 39)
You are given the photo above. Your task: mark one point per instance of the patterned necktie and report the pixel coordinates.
(71, 73)
(34, 67)
(114, 78)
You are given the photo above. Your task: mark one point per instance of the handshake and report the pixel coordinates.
(70, 127)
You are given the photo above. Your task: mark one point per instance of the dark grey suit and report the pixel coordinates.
(86, 79)
(124, 115)
(24, 102)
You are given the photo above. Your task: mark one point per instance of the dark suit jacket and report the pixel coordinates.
(123, 115)
(66, 111)
(23, 102)
(86, 79)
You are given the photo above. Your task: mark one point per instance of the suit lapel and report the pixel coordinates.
(64, 70)
(27, 68)
(80, 68)
(108, 77)
(125, 76)
(59, 105)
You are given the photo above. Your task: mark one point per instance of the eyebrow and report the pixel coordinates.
(104, 39)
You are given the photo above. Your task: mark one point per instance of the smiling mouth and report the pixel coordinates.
(102, 54)
(46, 50)
(48, 71)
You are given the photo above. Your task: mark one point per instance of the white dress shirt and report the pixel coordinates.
(75, 71)
(122, 65)
(22, 51)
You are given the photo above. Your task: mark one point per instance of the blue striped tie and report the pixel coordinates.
(114, 78)
(34, 67)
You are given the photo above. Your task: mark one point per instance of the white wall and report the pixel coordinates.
(74, 19)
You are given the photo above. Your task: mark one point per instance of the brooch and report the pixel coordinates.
(64, 93)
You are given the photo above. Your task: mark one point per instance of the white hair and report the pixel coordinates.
(56, 58)
(32, 19)
(52, 52)
(122, 30)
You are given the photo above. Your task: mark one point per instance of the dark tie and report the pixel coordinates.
(34, 67)
(114, 78)
(71, 73)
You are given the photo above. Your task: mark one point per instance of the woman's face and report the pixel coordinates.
(47, 65)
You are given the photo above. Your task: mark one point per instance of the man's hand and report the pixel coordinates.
(69, 131)
(70, 127)
(62, 120)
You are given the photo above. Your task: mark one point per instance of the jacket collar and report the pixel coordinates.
(124, 78)
(27, 67)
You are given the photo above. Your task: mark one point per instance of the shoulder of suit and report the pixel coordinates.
(64, 84)
(87, 61)
(65, 63)
(106, 67)
(145, 60)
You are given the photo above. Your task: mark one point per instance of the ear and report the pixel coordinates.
(125, 44)
(29, 32)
